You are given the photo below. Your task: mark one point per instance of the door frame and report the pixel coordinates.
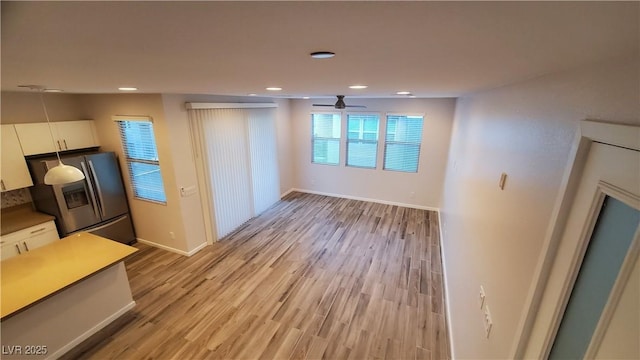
(536, 331)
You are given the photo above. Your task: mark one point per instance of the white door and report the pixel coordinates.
(613, 231)
(590, 291)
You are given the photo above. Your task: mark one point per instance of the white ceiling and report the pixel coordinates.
(432, 49)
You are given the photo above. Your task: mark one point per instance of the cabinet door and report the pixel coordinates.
(35, 138)
(76, 134)
(15, 173)
(10, 250)
(40, 239)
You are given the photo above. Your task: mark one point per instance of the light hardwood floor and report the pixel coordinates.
(312, 277)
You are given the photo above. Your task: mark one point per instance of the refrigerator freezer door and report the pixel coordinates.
(119, 229)
(105, 175)
(76, 201)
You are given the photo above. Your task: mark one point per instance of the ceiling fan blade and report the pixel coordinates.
(356, 106)
(322, 105)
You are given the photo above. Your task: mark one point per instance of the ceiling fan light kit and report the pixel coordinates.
(322, 54)
(340, 104)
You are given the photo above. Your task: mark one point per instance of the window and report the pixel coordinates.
(325, 141)
(139, 147)
(402, 143)
(362, 140)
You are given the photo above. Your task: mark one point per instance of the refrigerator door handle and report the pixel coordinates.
(95, 178)
(93, 196)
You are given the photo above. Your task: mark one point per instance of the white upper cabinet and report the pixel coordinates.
(15, 174)
(68, 135)
(35, 138)
(76, 134)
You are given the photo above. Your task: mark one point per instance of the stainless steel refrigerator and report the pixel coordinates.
(97, 204)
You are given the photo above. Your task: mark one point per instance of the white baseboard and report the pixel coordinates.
(101, 325)
(173, 250)
(413, 206)
(447, 308)
(287, 192)
(196, 249)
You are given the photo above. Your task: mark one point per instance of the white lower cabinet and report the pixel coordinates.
(33, 237)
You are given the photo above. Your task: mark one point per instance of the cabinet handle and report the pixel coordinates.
(65, 144)
(3, 187)
(25, 245)
(18, 248)
(41, 229)
(59, 147)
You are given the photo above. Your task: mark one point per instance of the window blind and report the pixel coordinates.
(362, 140)
(229, 173)
(263, 154)
(325, 139)
(402, 143)
(241, 163)
(139, 146)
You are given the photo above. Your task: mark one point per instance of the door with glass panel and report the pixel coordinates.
(600, 315)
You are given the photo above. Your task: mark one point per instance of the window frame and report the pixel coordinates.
(361, 138)
(338, 140)
(387, 141)
(129, 160)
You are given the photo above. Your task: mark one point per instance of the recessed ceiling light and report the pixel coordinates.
(127, 88)
(403, 93)
(52, 90)
(274, 88)
(306, 97)
(322, 54)
(358, 87)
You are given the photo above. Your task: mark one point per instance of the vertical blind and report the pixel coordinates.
(264, 159)
(241, 159)
(362, 140)
(402, 142)
(139, 146)
(325, 139)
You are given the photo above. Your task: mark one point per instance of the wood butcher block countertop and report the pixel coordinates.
(42, 272)
(20, 217)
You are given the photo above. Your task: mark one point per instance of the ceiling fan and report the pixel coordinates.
(340, 104)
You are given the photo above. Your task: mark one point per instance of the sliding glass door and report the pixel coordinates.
(239, 148)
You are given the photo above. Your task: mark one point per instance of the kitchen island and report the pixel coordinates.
(56, 296)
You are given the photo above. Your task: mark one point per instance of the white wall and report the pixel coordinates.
(494, 238)
(185, 168)
(417, 189)
(176, 111)
(25, 107)
(153, 222)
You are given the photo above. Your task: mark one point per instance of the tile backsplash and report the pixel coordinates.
(15, 197)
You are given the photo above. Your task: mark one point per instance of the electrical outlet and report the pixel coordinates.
(172, 235)
(488, 323)
(481, 297)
